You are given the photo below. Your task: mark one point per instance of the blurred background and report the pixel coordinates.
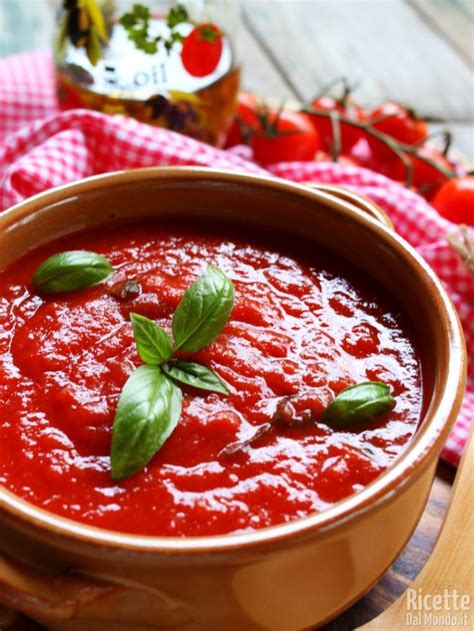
(420, 52)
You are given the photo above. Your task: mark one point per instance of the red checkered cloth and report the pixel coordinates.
(41, 148)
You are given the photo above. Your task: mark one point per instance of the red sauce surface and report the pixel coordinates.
(301, 326)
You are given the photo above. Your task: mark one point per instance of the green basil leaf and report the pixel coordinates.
(147, 413)
(203, 311)
(359, 403)
(70, 271)
(196, 375)
(152, 342)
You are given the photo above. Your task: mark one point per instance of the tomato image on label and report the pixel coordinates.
(202, 50)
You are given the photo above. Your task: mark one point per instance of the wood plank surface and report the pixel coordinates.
(463, 138)
(452, 18)
(26, 25)
(270, 44)
(385, 45)
(259, 74)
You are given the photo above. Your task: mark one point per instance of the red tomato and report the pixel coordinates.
(202, 49)
(347, 108)
(426, 178)
(287, 136)
(246, 117)
(401, 123)
(382, 159)
(455, 200)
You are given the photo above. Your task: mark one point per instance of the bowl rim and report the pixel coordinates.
(422, 450)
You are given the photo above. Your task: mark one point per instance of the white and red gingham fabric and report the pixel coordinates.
(41, 147)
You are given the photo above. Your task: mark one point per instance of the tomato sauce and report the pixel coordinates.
(303, 326)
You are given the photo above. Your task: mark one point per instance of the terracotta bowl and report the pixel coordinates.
(70, 576)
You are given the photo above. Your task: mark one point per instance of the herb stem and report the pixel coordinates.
(398, 148)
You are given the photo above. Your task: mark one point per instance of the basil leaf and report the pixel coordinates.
(152, 342)
(358, 403)
(70, 271)
(203, 311)
(196, 375)
(148, 411)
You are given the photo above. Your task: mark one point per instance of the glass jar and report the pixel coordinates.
(165, 63)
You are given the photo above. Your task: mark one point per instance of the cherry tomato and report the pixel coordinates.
(346, 107)
(401, 123)
(202, 49)
(382, 159)
(245, 117)
(286, 136)
(426, 178)
(455, 200)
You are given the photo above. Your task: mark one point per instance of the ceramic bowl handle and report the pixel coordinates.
(361, 202)
(85, 602)
(44, 596)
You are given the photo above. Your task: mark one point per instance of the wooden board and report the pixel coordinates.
(259, 75)
(385, 45)
(463, 138)
(291, 48)
(26, 24)
(454, 20)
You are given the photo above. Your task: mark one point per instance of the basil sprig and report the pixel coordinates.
(150, 403)
(71, 271)
(359, 403)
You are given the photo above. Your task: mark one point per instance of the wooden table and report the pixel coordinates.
(420, 52)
